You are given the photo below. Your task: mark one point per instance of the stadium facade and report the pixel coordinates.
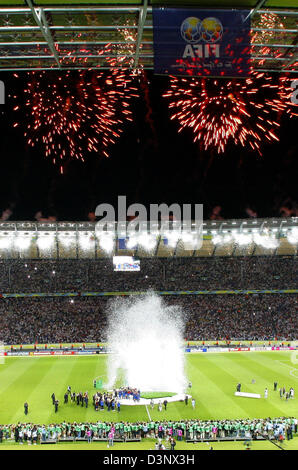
(80, 240)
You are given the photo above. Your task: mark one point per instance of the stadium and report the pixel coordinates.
(240, 304)
(133, 334)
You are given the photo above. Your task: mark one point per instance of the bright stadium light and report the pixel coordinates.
(265, 241)
(242, 239)
(187, 237)
(67, 239)
(22, 241)
(190, 240)
(173, 237)
(85, 241)
(217, 240)
(227, 238)
(106, 242)
(147, 241)
(293, 236)
(45, 241)
(6, 242)
(222, 239)
(132, 242)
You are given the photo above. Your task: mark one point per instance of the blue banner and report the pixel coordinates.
(197, 42)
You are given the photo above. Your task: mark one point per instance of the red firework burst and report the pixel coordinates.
(69, 114)
(219, 111)
(262, 40)
(286, 94)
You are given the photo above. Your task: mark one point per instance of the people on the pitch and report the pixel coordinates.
(287, 395)
(161, 429)
(127, 393)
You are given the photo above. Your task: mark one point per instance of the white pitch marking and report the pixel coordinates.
(292, 371)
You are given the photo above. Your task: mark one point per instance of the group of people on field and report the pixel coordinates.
(194, 429)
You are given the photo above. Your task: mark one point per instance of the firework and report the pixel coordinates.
(81, 55)
(219, 111)
(126, 50)
(118, 55)
(262, 40)
(268, 22)
(72, 113)
(285, 92)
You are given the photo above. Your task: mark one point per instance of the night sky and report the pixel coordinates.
(150, 163)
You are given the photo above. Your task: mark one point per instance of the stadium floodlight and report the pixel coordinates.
(266, 241)
(173, 237)
(85, 241)
(222, 239)
(147, 241)
(106, 241)
(242, 239)
(6, 242)
(67, 239)
(217, 239)
(293, 236)
(45, 241)
(187, 237)
(227, 238)
(132, 242)
(190, 240)
(22, 241)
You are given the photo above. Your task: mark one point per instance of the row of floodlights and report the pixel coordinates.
(264, 240)
(46, 241)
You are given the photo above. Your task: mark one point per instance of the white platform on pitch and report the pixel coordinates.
(248, 395)
(147, 401)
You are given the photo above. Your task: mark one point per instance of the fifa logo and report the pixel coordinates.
(209, 30)
(2, 92)
(294, 96)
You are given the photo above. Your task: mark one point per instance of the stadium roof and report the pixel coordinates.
(42, 35)
(247, 237)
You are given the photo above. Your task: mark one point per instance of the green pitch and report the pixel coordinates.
(214, 377)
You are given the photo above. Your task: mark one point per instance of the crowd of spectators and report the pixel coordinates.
(52, 319)
(45, 320)
(195, 429)
(255, 272)
(241, 317)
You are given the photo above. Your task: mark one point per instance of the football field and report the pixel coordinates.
(214, 377)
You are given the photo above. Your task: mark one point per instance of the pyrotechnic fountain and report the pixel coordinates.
(145, 337)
